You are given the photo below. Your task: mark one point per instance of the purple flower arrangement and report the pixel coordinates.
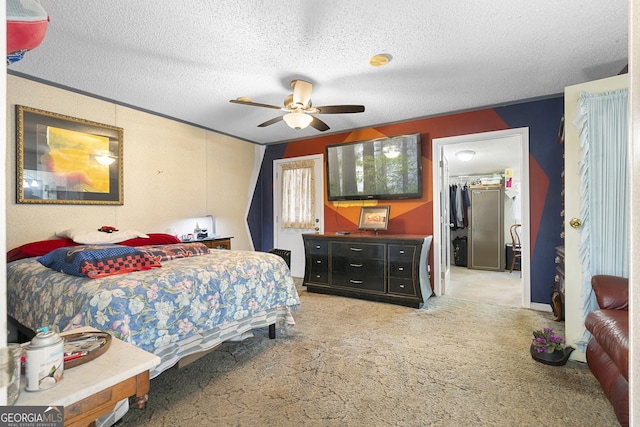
(545, 341)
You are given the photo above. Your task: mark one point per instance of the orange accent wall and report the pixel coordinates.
(406, 216)
(541, 117)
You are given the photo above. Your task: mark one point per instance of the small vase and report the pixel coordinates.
(557, 358)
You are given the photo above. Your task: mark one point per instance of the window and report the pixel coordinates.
(298, 195)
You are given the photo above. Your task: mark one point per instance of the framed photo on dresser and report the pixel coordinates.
(374, 218)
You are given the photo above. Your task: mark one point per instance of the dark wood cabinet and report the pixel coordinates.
(216, 243)
(391, 269)
(557, 291)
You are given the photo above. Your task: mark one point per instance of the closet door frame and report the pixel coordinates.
(439, 281)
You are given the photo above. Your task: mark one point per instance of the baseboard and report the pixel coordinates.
(540, 307)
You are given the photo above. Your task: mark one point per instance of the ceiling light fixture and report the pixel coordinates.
(465, 155)
(297, 120)
(379, 60)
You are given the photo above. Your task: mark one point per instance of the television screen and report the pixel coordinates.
(383, 168)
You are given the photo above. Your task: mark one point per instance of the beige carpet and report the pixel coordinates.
(349, 362)
(496, 287)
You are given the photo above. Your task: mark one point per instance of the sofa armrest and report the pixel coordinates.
(612, 292)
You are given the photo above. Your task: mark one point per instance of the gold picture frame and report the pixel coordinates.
(67, 160)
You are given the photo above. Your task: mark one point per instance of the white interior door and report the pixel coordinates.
(291, 238)
(574, 322)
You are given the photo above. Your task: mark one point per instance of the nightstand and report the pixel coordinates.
(217, 242)
(92, 390)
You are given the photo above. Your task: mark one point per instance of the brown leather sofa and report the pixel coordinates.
(608, 350)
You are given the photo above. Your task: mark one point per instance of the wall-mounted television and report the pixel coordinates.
(381, 168)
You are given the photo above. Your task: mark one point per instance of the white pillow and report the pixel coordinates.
(95, 237)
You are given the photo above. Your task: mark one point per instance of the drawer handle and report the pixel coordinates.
(557, 278)
(318, 261)
(355, 265)
(400, 268)
(356, 249)
(401, 251)
(402, 286)
(356, 282)
(318, 276)
(317, 246)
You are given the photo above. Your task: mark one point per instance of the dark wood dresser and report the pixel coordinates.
(557, 291)
(390, 268)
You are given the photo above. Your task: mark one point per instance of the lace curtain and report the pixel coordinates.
(603, 124)
(298, 195)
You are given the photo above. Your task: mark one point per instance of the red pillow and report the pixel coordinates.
(40, 248)
(154, 239)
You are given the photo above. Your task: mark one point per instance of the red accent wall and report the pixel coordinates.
(416, 216)
(406, 216)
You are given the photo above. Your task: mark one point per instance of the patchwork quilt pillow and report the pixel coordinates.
(94, 261)
(174, 251)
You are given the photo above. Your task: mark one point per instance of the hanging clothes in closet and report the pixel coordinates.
(459, 201)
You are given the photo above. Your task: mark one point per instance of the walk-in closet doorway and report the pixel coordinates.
(494, 155)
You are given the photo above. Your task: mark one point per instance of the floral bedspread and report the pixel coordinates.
(157, 307)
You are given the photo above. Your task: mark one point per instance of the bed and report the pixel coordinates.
(194, 300)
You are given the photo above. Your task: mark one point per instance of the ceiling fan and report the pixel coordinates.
(299, 109)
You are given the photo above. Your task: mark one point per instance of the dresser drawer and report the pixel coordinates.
(318, 247)
(401, 269)
(401, 253)
(364, 282)
(401, 286)
(359, 273)
(319, 269)
(357, 250)
(357, 267)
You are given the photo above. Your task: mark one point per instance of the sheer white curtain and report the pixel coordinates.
(298, 195)
(603, 124)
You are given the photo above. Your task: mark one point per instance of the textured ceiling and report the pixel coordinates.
(186, 60)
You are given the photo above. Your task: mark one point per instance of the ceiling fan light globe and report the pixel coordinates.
(297, 120)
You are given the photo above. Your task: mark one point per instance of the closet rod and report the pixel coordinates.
(492, 175)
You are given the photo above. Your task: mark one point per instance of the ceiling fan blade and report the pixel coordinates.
(301, 93)
(270, 122)
(319, 124)
(255, 104)
(340, 109)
